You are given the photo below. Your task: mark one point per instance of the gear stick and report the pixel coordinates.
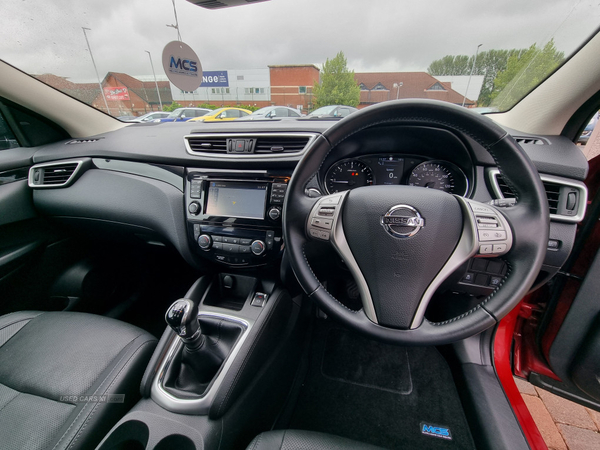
(205, 348)
(182, 317)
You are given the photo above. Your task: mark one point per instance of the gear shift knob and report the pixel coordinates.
(182, 317)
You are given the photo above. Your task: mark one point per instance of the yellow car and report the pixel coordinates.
(222, 114)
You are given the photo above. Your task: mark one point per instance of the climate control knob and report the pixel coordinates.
(204, 241)
(274, 213)
(258, 247)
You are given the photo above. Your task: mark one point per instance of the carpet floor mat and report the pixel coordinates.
(385, 395)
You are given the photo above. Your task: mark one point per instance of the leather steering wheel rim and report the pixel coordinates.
(528, 218)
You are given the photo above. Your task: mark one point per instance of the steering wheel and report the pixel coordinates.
(401, 242)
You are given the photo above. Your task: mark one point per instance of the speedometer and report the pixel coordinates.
(346, 175)
(439, 175)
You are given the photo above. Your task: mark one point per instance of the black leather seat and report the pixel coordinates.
(58, 371)
(304, 440)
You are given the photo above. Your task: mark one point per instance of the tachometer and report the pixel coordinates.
(346, 175)
(439, 175)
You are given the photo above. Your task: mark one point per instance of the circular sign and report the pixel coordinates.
(182, 66)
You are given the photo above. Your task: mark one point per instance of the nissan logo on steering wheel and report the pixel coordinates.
(402, 221)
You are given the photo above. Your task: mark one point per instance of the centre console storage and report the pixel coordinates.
(250, 331)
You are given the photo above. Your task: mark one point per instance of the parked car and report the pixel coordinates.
(223, 114)
(148, 117)
(184, 114)
(272, 112)
(584, 137)
(126, 118)
(332, 111)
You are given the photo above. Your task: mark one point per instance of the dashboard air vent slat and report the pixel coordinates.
(552, 192)
(58, 174)
(531, 140)
(208, 144)
(282, 144)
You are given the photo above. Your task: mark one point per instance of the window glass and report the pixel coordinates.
(293, 113)
(301, 89)
(281, 112)
(7, 138)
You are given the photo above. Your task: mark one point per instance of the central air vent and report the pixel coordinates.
(280, 144)
(207, 144)
(531, 140)
(53, 174)
(552, 192)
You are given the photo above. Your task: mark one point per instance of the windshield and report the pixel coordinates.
(261, 111)
(175, 114)
(477, 55)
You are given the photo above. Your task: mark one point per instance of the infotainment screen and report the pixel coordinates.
(244, 200)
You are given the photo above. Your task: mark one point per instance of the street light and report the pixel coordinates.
(155, 82)
(95, 68)
(397, 86)
(472, 69)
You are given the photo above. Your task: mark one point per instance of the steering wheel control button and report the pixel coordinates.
(258, 247)
(468, 278)
(492, 235)
(331, 200)
(486, 249)
(205, 241)
(402, 221)
(495, 281)
(322, 223)
(194, 208)
(499, 248)
(479, 209)
(326, 211)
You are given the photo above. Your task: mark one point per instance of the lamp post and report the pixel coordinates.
(95, 68)
(155, 82)
(397, 86)
(472, 69)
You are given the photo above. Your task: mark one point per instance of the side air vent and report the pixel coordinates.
(532, 140)
(208, 144)
(248, 146)
(280, 144)
(566, 198)
(53, 174)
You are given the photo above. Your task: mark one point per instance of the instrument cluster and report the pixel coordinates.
(394, 170)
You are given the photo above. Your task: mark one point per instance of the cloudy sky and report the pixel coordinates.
(45, 36)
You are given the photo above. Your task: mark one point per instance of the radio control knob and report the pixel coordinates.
(274, 213)
(194, 208)
(258, 247)
(204, 241)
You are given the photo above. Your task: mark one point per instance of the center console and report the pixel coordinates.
(235, 220)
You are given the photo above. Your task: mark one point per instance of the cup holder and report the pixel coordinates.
(177, 441)
(130, 435)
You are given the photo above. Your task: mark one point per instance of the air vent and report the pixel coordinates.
(53, 174)
(530, 141)
(82, 141)
(552, 192)
(208, 144)
(248, 145)
(280, 144)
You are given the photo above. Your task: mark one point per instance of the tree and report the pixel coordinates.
(337, 86)
(172, 107)
(489, 63)
(523, 72)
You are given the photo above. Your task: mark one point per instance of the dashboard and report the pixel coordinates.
(215, 192)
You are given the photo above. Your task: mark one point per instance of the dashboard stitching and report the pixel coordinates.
(321, 285)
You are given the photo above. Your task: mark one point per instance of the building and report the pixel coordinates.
(291, 85)
(460, 83)
(125, 95)
(376, 87)
(228, 87)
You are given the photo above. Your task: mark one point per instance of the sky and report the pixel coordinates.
(375, 35)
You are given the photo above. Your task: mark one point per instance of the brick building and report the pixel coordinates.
(291, 85)
(376, 87)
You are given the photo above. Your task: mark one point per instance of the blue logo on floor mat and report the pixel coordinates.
(436, 431)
